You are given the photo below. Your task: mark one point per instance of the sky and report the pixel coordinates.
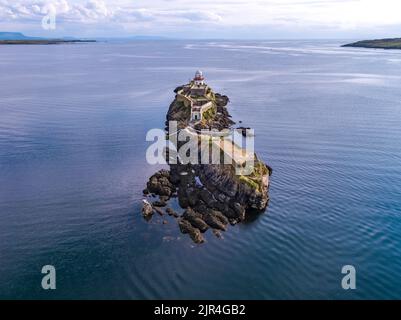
(228, 19)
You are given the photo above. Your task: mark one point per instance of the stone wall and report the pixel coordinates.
(182, 98)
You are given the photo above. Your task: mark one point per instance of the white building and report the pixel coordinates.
(195, 95)
(199, 80)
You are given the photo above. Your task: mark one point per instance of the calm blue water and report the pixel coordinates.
(73, 120)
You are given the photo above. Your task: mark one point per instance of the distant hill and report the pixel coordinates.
(42, 41)
(18, 36)
(394, 43)
(8, 38)
(15, 36)
(132, 38)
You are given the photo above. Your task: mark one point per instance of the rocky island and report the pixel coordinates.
(213, 194)
(394, 43)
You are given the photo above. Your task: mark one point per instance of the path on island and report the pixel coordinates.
(231, 150)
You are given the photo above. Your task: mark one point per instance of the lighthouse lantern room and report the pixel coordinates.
(199, 78)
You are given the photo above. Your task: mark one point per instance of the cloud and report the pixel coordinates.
(207, 16)
(134, 14)
(98, 11)
(92, 10)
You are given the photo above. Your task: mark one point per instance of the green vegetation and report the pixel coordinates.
(209, 114)
(255, 180)
(210, 95)
(377, 44)
(245, 179)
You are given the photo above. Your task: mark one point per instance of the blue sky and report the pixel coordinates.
(247, 19)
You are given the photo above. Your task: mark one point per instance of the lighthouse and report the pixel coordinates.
(199, 79)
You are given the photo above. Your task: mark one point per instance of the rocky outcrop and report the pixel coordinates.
(147, 209)
(160, 184)
(221, 181)
(211, 196)
(393, 43)
(187, 228)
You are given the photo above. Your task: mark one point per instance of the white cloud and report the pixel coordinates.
(185, 15)
(98, 11)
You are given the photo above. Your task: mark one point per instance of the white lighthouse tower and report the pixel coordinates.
(199, 79)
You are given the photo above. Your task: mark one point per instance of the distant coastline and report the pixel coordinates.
(42, 41)
(394, 43)
(20, 38)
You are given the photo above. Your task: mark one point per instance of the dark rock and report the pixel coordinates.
(202, 208)
(183, 198)
(221, 217)
(233, 222)
(222, 100)
(230, 213)
(175, 174)
(164, 198)
(192, 195)
(195, 219)
(217, 233)
(147, 210)
(214, 222)
(159, 203)
(187, 228)
(160, 184)
(220, 206)
(239, 211)
(207, 198)
(221, 197)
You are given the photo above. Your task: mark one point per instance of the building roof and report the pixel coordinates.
(199, 75)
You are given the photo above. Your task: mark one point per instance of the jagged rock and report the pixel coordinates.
(217, 233)
(187, 228)
(147, 210)
(164, 198)
(214, 222)
(221, 217)
(220, 206)
(230, 213)
(183, 198)
(221, 100)
(202, 208)
(233, 222)
(192, 195)
(221, 197)
(195, 219)
(160, 184)
(175, 174)
(207, 198)
(159, 203)
(239, 211)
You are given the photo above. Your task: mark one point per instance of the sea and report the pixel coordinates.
(73, 125)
